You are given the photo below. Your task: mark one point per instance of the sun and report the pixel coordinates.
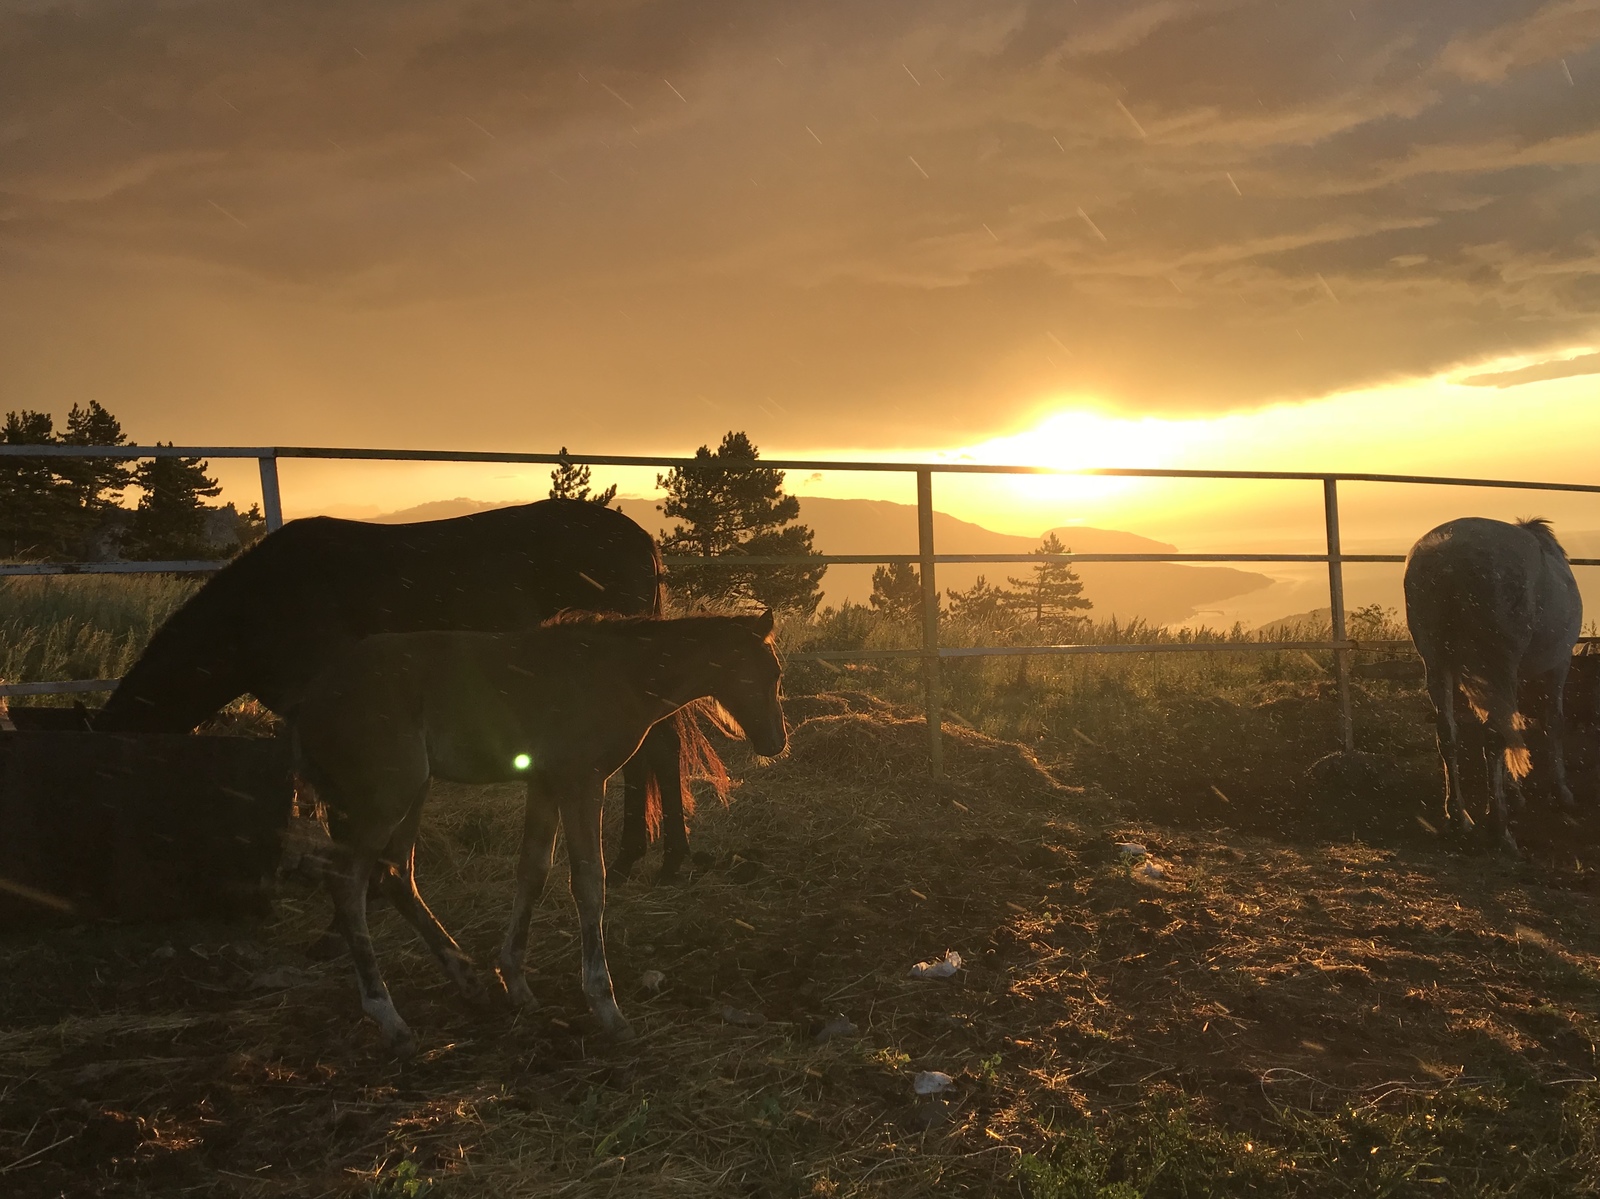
(1083, 438)
(1069, 435)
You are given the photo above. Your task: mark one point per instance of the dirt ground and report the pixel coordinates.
(1227, 1012)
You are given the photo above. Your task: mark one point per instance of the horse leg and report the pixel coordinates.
(580, 817)
(539, 822)
(347, 886)
(1551, 691)
(398, 880)
(1442, 689)
(1499, 773)
(331, 943)
(635, 830)
(662, 750)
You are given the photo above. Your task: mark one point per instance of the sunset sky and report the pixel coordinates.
(1111, 232)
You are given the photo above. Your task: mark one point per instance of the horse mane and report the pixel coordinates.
(588, 616)
(1541, 528)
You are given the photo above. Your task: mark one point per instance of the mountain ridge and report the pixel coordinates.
(1158, 592)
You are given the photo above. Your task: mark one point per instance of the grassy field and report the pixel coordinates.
(83, 627)
(1295, 990)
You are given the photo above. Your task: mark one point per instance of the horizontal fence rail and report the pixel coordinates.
(930, 652)
(346, 454)
(732, 560)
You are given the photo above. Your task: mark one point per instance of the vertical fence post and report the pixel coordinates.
(271, 504)
(930, 621)
(1341, 657)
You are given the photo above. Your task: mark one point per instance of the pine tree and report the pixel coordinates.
(1053, 593)
(49, 507)
(982, 603)
(728, 506)
(571, 482)
(95, 483)
(91, 486)
(170, 522)
(33, 507)
(252, 526)
(897, 591)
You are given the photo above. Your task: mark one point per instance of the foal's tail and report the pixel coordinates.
(697, 759)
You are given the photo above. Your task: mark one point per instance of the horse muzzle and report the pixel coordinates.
(771, 741)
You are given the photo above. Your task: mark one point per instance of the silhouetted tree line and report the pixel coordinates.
(726, 506)
(71, 508)
(1049, 596)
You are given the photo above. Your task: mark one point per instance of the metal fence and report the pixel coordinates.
(926, 559)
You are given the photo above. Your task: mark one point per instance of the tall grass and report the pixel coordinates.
(86, 627)
(1026, 697)
(82, 627)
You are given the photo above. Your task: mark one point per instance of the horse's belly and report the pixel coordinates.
(468, 762)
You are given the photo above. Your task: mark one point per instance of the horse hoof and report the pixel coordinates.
(402, 1042)
(519, 994)
(326, 947)
(475, 991)
(621, 1031)
(621, 868)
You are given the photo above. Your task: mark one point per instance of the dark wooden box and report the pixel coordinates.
(141, 826)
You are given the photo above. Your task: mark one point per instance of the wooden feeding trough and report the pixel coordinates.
(143, 826)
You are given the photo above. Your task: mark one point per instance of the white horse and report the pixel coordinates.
(1494, 610)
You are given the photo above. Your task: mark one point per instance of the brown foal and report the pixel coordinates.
(562, 706)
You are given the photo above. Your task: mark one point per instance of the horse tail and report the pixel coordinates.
(1541, 528)
(1499, 712)
(1519, 761)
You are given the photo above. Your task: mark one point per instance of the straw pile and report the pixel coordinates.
(781, 1044)
(857, 748)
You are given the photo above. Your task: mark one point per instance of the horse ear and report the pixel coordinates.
(764, 623)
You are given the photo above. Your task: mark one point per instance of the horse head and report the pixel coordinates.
(748, 685)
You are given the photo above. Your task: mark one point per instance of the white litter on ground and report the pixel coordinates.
(939, 967)
(931, 1082)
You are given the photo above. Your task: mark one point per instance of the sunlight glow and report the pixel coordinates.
(1440, 425)
(522, 761)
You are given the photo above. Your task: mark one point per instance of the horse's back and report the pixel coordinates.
(1477, 588)
(498, 570)
(271, 618)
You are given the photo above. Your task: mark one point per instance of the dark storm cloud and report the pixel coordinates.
(864, 223)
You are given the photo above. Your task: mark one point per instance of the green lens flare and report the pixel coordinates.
(522, 761)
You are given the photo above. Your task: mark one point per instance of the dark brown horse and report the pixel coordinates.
(563, 707)
(1495, 612)
(272, 618)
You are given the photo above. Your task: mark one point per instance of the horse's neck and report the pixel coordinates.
(677, 668)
